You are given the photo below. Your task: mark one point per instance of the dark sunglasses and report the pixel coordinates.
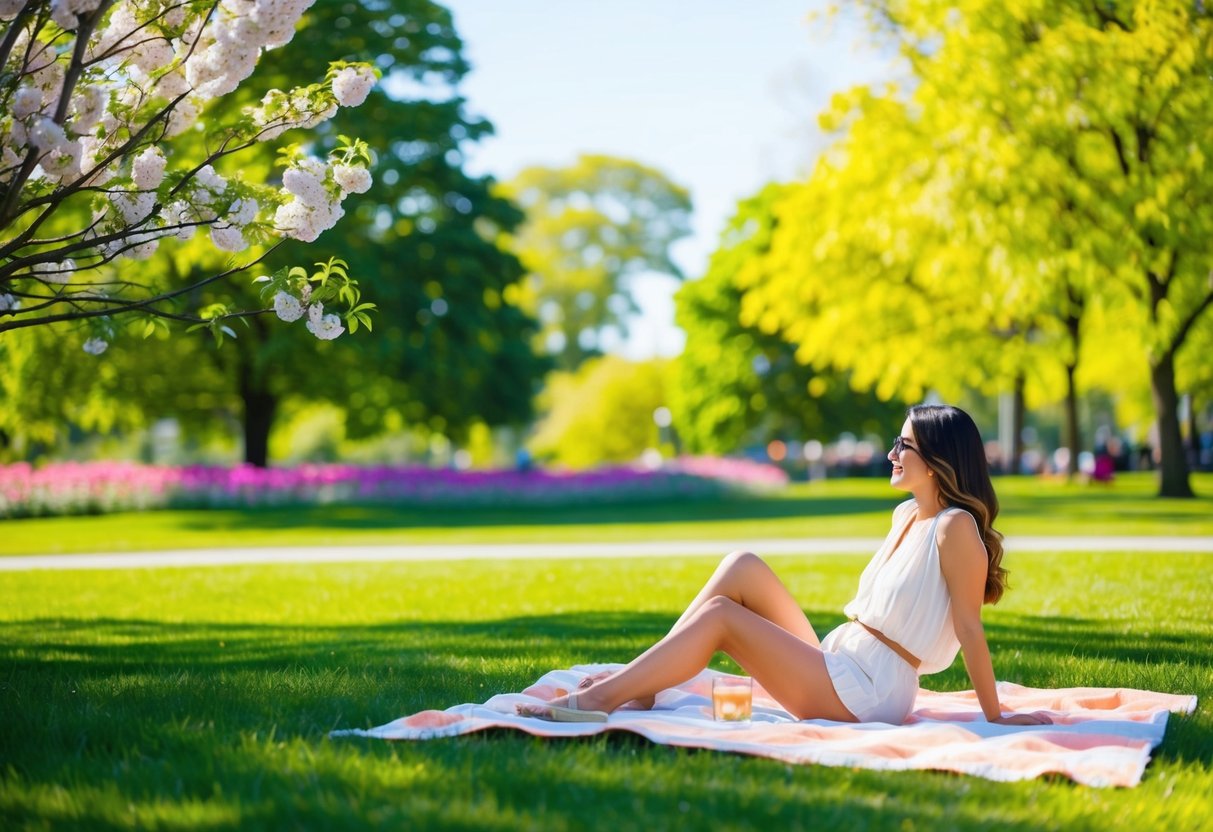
(900, 445)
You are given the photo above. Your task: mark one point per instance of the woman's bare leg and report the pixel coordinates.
(792, 670)
(644, 703)
(746, 579)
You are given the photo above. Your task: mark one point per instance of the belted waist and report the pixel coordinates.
(905, 655)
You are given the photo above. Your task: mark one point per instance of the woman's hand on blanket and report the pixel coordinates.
(1034, 718)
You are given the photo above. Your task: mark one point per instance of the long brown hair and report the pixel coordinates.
(951, 446)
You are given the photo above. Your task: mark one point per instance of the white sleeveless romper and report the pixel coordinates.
(902, 593)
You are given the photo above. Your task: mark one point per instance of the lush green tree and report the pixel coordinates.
(449, 349)
(589, 228)
(1046, 163)
(52, 392)
(738, 384)
(873, 276)
(1120, 94)
(602, 412)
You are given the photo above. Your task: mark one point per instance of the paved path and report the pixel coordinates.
(515, 551)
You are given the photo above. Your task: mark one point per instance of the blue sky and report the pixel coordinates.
(720, 96)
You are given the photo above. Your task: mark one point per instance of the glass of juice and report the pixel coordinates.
(731, 698)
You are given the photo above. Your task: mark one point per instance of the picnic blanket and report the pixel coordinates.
(1100, 736)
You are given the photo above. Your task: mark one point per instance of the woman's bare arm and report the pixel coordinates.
(962, 558)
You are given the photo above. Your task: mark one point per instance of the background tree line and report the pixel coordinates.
(1026, 212)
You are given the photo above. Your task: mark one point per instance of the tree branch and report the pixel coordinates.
(14, 31)
(84, 30)
(145, 305)
(1181, 334)
(75, 69)
(1106, 17)
(59, 195)
(1119, 145)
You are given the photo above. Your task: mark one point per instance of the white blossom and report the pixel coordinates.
(177, 217)
(95, 346)
(147, 171)
(58, 273)
(276, 20)
(89, 104)
(279, 112)
(46, 135)
(352, 179)
(319, 116)
(26, 101)
(324, 327)
(122, 24)
(306, 186)
(287, 307)
(228, 237)
(221, 67)
(63, 161)
(243, 211)
(9, 160)
(65, 12)
(212, 50)
(352, 85)
(175, 15)
(183, 117)
(134, 205)
(208, 179)
(305, 223)
(151, 53)
(47, 76)
(172, 84)
(272, 116)
(92, 151)
(208, 191)
(18, 136)
(139, 246)
(314, 166)
(227, 50)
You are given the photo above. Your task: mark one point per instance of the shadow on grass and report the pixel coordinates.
(170, 711)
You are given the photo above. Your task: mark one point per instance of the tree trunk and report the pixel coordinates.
(1173, 465)
(260, 406)
(1017, 427)
(1072, 438)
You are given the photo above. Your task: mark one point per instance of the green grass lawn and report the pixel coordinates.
(201, 698)
(837, 508)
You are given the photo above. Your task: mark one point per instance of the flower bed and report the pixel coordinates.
(103, 487)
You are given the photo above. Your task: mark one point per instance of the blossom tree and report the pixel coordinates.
(92, 95)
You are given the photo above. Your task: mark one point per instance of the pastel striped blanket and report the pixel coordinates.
(1100, 736)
